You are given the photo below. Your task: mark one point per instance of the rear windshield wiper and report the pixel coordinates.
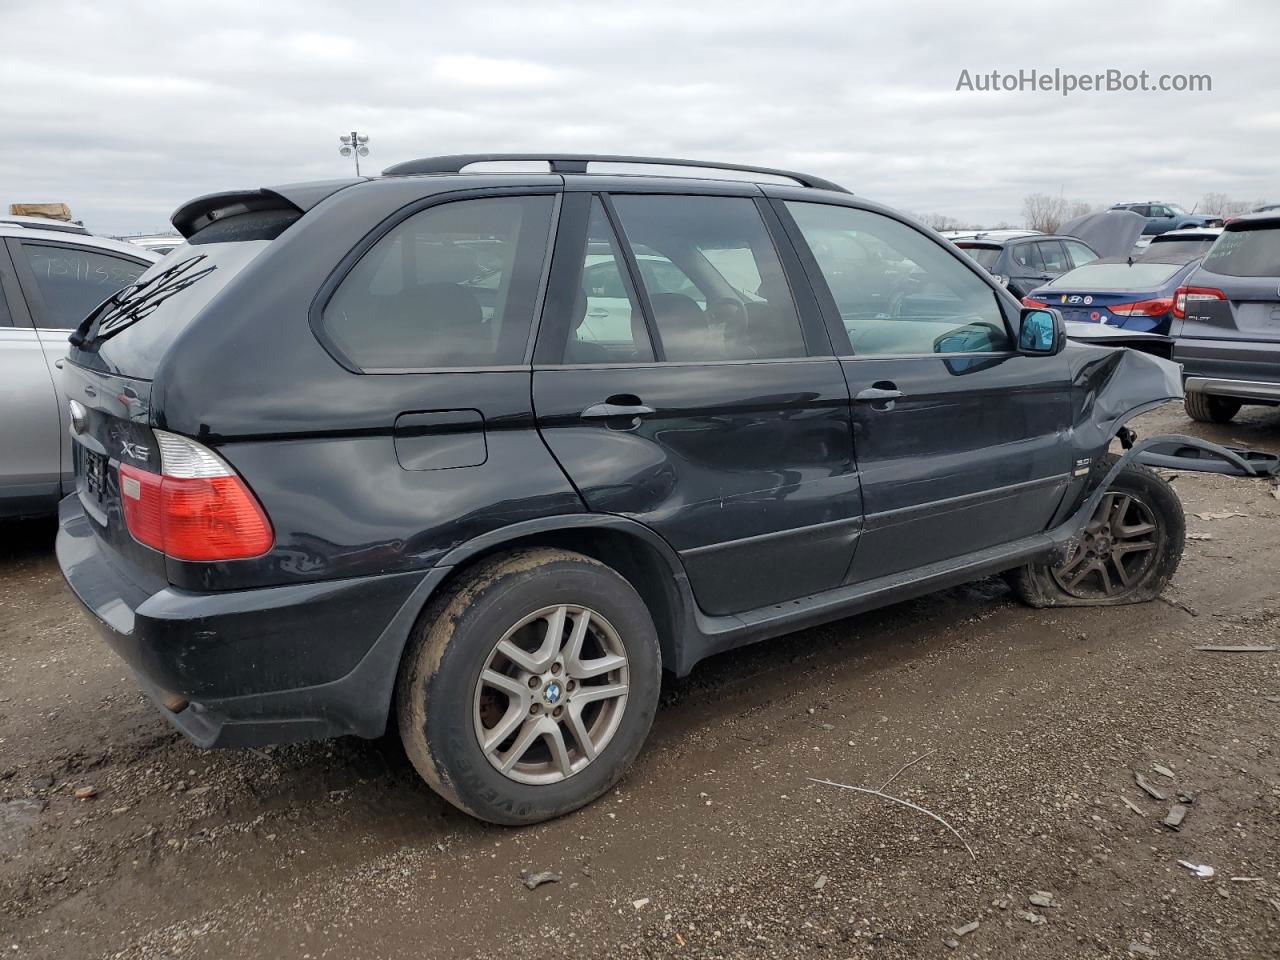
(139, 300)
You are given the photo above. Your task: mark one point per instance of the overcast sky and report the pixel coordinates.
(124, 110)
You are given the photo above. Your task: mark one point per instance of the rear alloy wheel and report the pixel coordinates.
(552, 694)
(1207, 408)
(1127, 552)
(529, 686)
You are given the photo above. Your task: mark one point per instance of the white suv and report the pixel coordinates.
(51, 275)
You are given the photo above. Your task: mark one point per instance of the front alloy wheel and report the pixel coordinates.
(1116, 553)
(551, 695)
(1127, 552)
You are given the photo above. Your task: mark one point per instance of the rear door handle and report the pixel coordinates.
(877, 395)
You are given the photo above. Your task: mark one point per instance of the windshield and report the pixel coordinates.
(1175, 208)
(986, 257)
(1246, 253)
(1096, 277)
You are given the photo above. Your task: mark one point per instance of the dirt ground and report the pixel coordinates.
(1027, 727)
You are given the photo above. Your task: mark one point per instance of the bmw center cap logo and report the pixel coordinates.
(551, 692)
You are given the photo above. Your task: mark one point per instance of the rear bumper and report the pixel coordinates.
(1245, 369)
(249, 667)
(1240, 389)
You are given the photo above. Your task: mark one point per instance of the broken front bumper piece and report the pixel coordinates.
(1167, 451)
(1193, 454)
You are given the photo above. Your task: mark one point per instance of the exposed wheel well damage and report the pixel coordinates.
(655, 576)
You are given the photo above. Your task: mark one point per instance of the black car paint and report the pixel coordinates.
(757, 500)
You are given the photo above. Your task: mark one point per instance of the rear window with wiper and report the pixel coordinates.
(1246, 253)
(130, 332)
(985, 256)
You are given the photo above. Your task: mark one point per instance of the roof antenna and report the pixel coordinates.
(1131, 259)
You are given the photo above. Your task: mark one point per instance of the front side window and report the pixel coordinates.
(712, 277)
(911, 298)
(72, 281)
(451, 286)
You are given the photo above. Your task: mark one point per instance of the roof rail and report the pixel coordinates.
(44, 223)
(577, 163)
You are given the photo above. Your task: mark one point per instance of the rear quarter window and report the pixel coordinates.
(1246, 253)
(451, 286)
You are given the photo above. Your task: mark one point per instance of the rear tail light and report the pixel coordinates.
(196, 508)
(1028, 302)
(1185, 295)
(1143, 308)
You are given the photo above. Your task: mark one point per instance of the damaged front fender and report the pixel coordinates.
(1109, 388)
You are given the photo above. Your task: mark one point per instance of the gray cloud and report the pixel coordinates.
(125, 110)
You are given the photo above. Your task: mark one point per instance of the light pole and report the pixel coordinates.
(353, 145)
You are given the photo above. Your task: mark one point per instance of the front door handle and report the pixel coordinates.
(877, 394)
(620, 406)
(598, 314)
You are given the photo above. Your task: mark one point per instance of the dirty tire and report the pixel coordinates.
(1207, 408)
(452, 644)
(1036, 585)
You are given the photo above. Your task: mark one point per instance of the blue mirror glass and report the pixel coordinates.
(1036, 333)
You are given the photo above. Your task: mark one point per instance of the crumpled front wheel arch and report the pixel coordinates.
(1036, 585)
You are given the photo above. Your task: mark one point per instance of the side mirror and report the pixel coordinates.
(1042, 332)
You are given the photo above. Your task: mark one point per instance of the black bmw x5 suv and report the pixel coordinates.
(482, 453)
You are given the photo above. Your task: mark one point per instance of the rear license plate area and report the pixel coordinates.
(93, 474)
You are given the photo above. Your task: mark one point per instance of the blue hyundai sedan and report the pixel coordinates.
(1135, 293)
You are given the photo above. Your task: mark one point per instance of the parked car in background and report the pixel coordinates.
(1191, 240)
(52, 274)
(1023, 261)
(343, 461)
(1004, 233)
(1227, 321)
(1167, 216)
(1135, 293)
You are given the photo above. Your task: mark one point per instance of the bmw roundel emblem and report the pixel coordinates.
(551, 693)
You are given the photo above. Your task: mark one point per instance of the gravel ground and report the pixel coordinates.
(1026, 727)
